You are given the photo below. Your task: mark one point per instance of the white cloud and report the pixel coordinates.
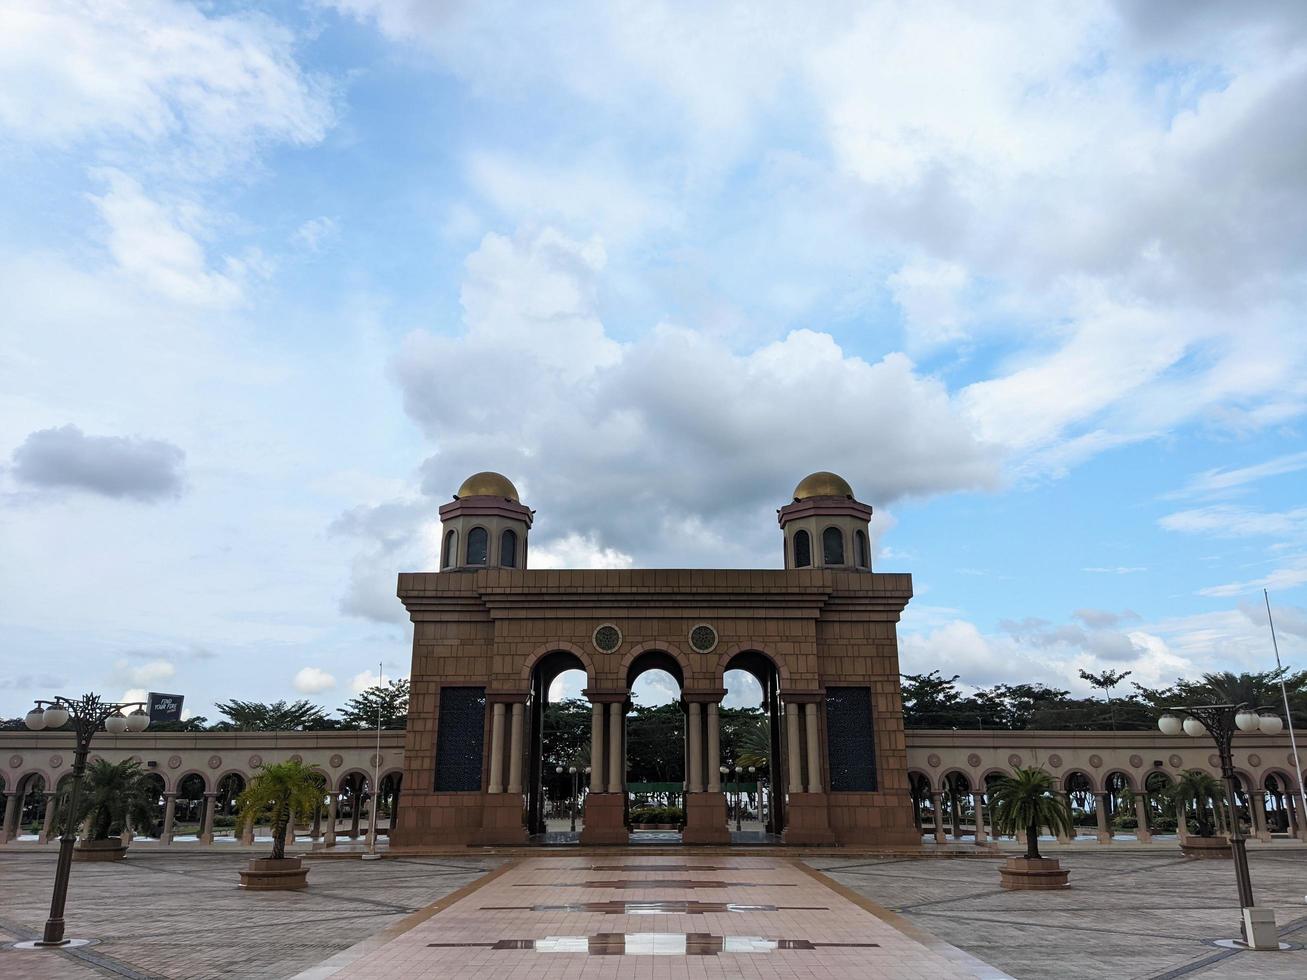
(146, 673)
(1224, 481)
(674, 436)
(111, 466)
(316, 232)
(1228, 520)
(578, 551)
(930, 294)
(313, 680)
(1289, 575)
(152, 243)
(1115, 570)
(366, 679)
(202, 92)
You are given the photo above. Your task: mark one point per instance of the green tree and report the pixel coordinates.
(255, 716)
(281, 790)
(655, 747)
(1105, 681)
(1203, 791)
(931, 700)
(391, 700)
(112, 794)
(565, 735)
(1260, 689)
(1025, 801)
(196, 723)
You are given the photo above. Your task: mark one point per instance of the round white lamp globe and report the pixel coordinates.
(1247, 721)
(115, 724)
(1271, 724)
(35, 719)
(1194, 727)
(138, 721)
(56, 716)
(1169, 724)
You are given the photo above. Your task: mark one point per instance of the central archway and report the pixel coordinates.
(771, 770)
(654, 748)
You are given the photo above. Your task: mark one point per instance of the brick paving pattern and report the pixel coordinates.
(494, 932)
(1131, 912)
(168, 914)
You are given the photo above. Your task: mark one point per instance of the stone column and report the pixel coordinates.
(355, 806)
(1143, 834)
(596, 748)
(1257, 808)
(714, 749)
(316, 832)
(51, 804)
(616, 778)
(978, 804)
(792, 748)
(937, 805)
(814, 758)
(333, 801)
(206, 818)
(11, 811)
(515, 747)
(496, 748)
(1100, 811)
(169, 816)
(695, 767)
(1062, 837)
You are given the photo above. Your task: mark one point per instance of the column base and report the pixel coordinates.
(807, 819)
(705, 819)
(501, 820)
(605, 819)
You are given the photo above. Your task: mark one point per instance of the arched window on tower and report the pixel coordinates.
(508, 549)
(860, 549)
(477, 546)
(832, 546)
(802, 550)
(449, 550)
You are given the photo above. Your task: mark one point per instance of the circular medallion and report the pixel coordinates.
(1254, 759)
(1293, 760)
(1136, 761)
(606, 638)
(932, 760)
(336, 761)
(15, 761)
(1096, 761)
(1175, 761)
(215, 761)
(973, 760)
(174, 761)
(56, 761)
(1014, 760)
(376, 760)
(297, 758)
(1055, 761)
(1214, 761)
(703, 638)
(256, 760)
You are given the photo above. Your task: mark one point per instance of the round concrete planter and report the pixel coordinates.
(1032, 874)
(268, 875)
(1206, 847)
(109, 849)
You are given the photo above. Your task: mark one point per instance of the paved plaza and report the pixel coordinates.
(1133, 912)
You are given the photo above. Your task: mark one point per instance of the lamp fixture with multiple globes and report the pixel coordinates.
(87, 713)
(1221, 722)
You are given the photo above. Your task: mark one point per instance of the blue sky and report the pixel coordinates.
(276, 277)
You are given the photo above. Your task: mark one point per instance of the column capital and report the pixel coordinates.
(507, 697)
(704, 695)
(599, 696)
(802, 697)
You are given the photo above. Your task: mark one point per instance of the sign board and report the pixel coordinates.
(165, 707)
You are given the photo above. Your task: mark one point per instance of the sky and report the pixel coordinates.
(275, 277)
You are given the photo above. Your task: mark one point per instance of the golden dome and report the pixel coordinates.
(822, 484)
(488, 484)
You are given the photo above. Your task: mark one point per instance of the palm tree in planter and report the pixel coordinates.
(1026, 801)
(1204, 792)
(114, 795)
(285, 791)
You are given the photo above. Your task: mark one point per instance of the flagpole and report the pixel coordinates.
(1288, 715)
(376, 765)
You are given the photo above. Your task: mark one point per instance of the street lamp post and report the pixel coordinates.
(737, 799)
(572, 770)
(88, 713)
(1220, 721)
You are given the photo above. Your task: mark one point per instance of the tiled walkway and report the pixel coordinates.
(655, 917)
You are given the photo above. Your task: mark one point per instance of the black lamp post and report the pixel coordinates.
(1220, 721)
(87, 713)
